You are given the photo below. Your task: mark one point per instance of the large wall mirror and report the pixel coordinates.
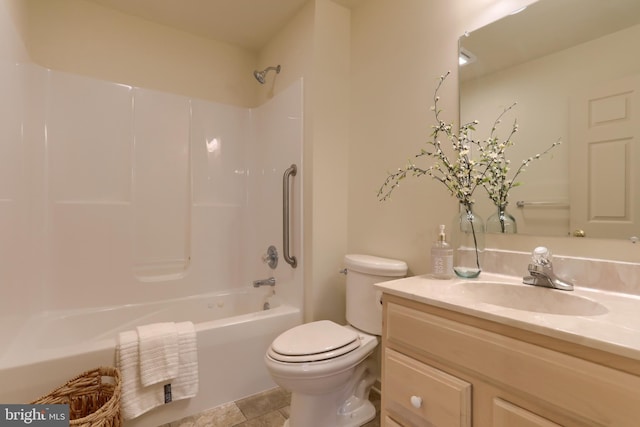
(573, 67)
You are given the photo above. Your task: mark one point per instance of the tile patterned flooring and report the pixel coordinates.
(267, 409)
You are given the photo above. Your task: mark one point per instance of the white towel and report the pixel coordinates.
(137, 399)
(186, 384)
(158, 350)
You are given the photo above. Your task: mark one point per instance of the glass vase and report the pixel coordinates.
(467, 240)
(501, 222)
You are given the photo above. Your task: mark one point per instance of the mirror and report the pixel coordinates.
(573, 68)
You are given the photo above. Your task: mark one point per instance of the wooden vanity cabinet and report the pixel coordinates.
(441, 368)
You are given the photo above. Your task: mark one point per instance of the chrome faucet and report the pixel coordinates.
(271, 281)
(541, 272)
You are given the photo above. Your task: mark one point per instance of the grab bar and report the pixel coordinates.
(522, 204)
(291, 171)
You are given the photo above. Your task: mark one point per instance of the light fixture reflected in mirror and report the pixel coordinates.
(465, 57)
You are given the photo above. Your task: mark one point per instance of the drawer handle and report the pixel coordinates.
(416, 401)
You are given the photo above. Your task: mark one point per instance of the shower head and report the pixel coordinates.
(260, 75)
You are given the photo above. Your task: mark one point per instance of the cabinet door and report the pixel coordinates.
(424, 395)
(506, 414)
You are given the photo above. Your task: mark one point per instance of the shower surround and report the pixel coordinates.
(113, 196)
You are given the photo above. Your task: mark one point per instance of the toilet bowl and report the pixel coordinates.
(325, 365)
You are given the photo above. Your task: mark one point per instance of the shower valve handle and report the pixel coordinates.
(271, 257)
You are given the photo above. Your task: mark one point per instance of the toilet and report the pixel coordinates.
(325, 365)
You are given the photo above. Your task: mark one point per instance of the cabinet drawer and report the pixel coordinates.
(418, 392)
(507, 414)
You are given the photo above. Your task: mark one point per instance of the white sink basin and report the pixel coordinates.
(531, 298)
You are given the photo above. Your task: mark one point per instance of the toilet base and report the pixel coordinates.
(357, 418)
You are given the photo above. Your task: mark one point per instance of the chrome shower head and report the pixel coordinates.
(260, 75)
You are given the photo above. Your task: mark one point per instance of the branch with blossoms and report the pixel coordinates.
(461, 174)
(497, 182)
(493, 153)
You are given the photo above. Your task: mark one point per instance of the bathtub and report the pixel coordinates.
(234, 330)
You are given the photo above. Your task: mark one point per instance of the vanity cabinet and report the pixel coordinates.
(442, 368)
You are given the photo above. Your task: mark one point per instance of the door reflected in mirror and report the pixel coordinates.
(573, 69)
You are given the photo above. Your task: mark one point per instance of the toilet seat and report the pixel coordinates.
(312, 342)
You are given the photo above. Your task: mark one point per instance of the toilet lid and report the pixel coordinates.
(314, 341)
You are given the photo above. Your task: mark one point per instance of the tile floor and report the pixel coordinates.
(268, 409)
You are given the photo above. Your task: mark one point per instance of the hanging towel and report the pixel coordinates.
(158, 350)
(186, 384)
(137, 399)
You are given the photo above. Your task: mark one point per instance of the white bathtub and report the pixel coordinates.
(233, 331)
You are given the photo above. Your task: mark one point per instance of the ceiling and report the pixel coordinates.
(246, 23)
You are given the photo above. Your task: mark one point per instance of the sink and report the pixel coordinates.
(531, 298)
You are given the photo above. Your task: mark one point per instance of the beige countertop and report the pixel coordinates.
(599, 319)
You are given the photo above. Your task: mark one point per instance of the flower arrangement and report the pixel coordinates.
(496, 180)
(461, 173)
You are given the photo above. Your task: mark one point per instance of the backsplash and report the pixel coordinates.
(606, 275)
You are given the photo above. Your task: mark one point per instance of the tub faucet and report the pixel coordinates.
(541, 272)
(271, 281)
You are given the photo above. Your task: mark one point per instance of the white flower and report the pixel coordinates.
(461, 174)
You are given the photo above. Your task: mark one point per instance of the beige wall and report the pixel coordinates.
(12, 30)
(396, 61)
(400, 48)
(330, 159)
(88, 39)
(315, 45)
(292, 48)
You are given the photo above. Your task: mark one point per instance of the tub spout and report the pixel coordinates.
(271, 281)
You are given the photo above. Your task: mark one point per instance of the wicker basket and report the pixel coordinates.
(93, 398)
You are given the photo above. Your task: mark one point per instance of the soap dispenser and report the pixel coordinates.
(441, 257)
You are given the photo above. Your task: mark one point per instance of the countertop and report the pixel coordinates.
(611, 322)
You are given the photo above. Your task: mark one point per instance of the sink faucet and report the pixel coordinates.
(271, 281)
(541, 270)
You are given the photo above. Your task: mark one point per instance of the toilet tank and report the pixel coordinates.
(364, 308)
